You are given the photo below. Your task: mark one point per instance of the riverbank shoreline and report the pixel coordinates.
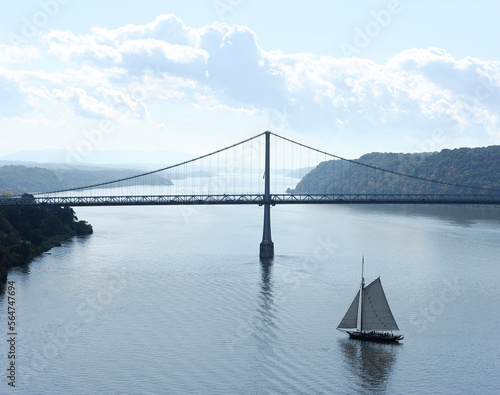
(28, 232)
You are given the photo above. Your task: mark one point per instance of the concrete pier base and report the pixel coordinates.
(266, 249)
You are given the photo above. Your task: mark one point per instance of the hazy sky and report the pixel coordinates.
(194, 76)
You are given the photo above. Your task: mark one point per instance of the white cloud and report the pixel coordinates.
(167, 28)
(161, 127)
(85, 104)
(13, 98)
(212, 103)
(71, 48)
(17, 53)
(416, 89)
(123, 73)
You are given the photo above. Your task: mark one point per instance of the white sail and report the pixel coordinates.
(376, 313)
(350, 319)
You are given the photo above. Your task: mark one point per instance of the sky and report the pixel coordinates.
(195, 76)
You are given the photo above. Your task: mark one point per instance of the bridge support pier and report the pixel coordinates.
(266, 250)
(267, 245)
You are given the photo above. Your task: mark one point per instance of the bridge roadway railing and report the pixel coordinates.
(228, 199)
(381, 198)
(144, 200)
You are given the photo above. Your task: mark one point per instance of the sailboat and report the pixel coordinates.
(369, 317)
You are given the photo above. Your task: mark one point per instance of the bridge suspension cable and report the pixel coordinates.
(366, 165)
(190, 161)
(241, 168)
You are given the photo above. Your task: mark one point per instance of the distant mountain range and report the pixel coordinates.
(56, 169)
(477, 167)
(119, 158)
(17, 180)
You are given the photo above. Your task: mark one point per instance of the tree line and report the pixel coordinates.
(17, 179)
(26, 232)
(472, 167)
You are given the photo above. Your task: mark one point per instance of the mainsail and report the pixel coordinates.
(350, 319)
(376, 314)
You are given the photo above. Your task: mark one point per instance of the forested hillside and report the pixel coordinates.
(20, 179)
(26, 232)
(479, 167)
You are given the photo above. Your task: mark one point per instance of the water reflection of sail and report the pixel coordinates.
(370, 365)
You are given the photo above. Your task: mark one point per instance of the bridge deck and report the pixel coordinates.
(225, 199)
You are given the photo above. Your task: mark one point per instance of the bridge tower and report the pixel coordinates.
(267, 245)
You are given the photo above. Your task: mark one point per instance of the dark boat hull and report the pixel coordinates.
(379, 337)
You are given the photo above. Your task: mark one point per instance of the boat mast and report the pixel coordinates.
(361, 293)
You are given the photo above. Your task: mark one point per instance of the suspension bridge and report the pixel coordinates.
(266, 170)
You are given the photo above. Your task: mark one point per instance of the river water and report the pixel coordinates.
(174, 300)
